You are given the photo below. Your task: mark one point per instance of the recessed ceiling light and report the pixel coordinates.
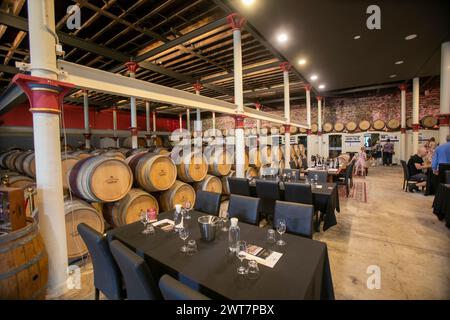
(356, 37)
(392, 76)
(301, 62)
(314, 77)
(282, 37)
(411, 36)
(248, 2)
(399, 62)
(322, 86)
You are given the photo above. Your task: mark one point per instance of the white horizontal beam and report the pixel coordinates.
(22, 130)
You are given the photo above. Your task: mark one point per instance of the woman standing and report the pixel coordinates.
(360, 164)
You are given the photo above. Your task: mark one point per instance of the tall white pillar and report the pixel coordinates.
(180, 120)
(115, 137)
(285, 66)
(236, 22)
(132, 67)
(87, 130)
(319, 125)
(147, 123)
(444, 116)
(214, 123)
(45, 107)
(415, 115)
(258, 122)
(154, 121)
(403, 154)
(309, 152)
(188, 120)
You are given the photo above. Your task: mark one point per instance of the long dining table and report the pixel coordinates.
(302, 272)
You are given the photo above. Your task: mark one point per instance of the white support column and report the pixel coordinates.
(403, 121)
(188, 120)
(115, 137)
(154, 121)
(132, 67)
(285, 66)
(415, 115)
(319, 125)
(147, 123)
(198, 123)
(87, 131)
(308, 121)
(237, 22)
(258, 122)
(214, 123)
(47, 147)
(180, 120)
(444, 116)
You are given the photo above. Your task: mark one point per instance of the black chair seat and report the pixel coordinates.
(298, 217)
(208, 202)
(172, 289)
(246, 209)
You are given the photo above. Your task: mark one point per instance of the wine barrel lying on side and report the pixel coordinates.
(100, 179)
(210, 183)
(128, 209)
(219, 162)
(193, 167)
(179, 193)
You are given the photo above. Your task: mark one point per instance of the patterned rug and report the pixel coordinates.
(358, 192)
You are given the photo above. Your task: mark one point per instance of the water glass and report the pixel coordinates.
(183, 233)
(281, 228)
(241, 254)
(188, 207)
(316, 179)
(144, 221)
(225, 222)
(253, 270)
(271, 236)
(178, 218)
(191, 247)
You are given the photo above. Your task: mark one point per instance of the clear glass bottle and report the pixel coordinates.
(233, 235)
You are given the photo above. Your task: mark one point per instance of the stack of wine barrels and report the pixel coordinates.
(193, 167)
(179, 193)
(219, 161)
(210, 183)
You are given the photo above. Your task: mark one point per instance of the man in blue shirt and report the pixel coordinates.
(441, 155)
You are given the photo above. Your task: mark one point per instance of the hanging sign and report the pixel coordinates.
(351, 140)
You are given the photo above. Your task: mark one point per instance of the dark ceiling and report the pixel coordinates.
(323, 31)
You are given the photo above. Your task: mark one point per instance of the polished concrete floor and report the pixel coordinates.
(394, 231)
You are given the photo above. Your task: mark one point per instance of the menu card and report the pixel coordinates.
(263, 256)
(165, 224)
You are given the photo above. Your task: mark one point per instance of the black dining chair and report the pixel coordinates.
(295, 173)
(293, 164)
(208, 202)
(172, 289)
(268, 191)
(406, 175)
(298, 192)
(136, 273)
(346, 180)
(443, 167)
(304, 163)
(298, 217)
(239, 186)
(246, 209)
(107, 277)
(322, 175)
(447, 176)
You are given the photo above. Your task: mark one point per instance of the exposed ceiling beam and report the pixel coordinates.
(13, 95)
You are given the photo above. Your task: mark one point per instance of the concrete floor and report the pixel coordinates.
(394, 230)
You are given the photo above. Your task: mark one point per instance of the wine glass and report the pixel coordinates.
(281, 228)
(241, 253)
(225, 222)
(316, 178)
(188, 207)
(144, 221)
(183, 234)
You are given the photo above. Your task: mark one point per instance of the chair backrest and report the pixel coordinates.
(208, 202)
(107, 277)
(322, 175)
(138, 278)
(268, 189)
(304, 163)
(246, 209)
(405, 169)
(268, 171)
(239, 186)
(443, 167)
(293, 172)
(447, 176)
(298, 192)
(172, 289)
(298, 217)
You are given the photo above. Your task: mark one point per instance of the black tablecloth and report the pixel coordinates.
(325, 199)
(441, 203)
(303, 272)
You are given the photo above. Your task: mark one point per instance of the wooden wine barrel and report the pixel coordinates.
(77, 211)
(251, 172)
(136, 151)
(282, 130)
(314, 128)
(82, 154)
(379, 124)
(338, 127)
(67, 163)
(114, 154)
(161, 151)
(265, 131)
(228, 132)
(153, 172)
(210, 183)
(303, 130)
(100, 179)
(107, 142)
(327, 127)
(247, 131)
(18, 181)
(225, 185)
(193, 167)
(409, 123)
(364, 125)
(29, 165)
(127, 142)
(18, 163)
(293, 129)
(158, 141)
(24, 264)
(127, 210)
(393, 124)
(10, 159)
(5, 155)
(429, 122)
(274, 130)
(179, 193)
(350, 126)
(254, 131)
(254, 157)
(219, 162)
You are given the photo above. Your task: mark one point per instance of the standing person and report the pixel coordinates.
(388, 151)
(376, 151)
(441, 155)
(360, 164)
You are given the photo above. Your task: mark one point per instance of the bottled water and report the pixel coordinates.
(233, 235)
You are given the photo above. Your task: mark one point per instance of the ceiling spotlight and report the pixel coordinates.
(392, 76)
(301, 62)
(411, 36)
(314, 77)
(399, 62)
(282, 37)
(356, 37)
(248, 2)
(322, 86)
